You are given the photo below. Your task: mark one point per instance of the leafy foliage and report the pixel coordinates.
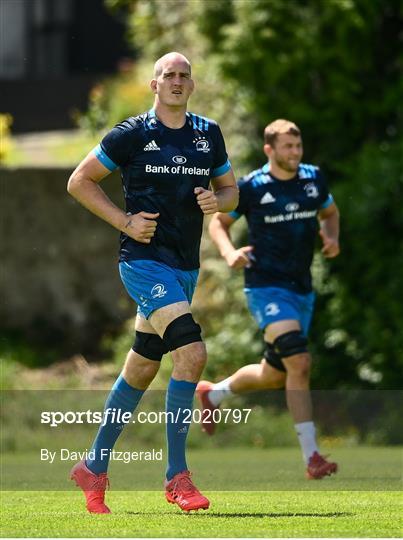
(365, 316)
(333, 67)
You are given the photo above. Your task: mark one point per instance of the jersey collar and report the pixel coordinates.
(153, 121)
(266, 170)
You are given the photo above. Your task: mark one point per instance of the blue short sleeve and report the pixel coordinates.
(221, 163)
(325, 198)
(234, 214)
(101, 155)
(117, 145)
(327, 202)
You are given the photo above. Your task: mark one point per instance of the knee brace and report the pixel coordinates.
(150, 346)
(181, 331)
(290, 343)
(273, 358)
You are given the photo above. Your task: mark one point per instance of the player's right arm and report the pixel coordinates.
(84, 186)
(219, 230)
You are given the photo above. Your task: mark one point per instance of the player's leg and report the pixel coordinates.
(138, 372)
(256, 377)
(166, 294)
(142, 364)
(290, 344)
(266, 305)
(250, 378)
(182, 336)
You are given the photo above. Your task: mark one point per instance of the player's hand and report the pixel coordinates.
(206, 199)
(330, 247)
(240, 258)
(141, 226)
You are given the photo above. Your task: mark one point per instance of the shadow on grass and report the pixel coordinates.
(195, 513)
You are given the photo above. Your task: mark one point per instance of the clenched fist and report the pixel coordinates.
(239, 258)
(207, 200)
(141, 226)
(330, 247)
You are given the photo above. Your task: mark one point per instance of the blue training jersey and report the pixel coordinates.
(160, 167)
(282, 225)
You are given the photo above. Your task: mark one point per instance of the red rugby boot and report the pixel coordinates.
(181, 491)
(318, 467)
(202, 390)
(93, 485)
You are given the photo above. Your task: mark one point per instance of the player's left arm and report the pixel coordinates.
(329, 220)
(223, 198)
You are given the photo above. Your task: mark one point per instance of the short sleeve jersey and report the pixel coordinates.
(160, 167)
(282, 225)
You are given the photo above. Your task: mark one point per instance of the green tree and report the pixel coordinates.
(334, 66)
(363, 320)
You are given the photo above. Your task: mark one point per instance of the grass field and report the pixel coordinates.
(363, 500)
(233, 514)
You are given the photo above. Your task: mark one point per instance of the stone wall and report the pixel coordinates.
(59, 280)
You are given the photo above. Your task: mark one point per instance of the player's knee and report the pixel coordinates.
(140, 376)
(139, 371)
(299, 365)
(150, 346)
(182, 331)
(305, 365)
(292, 348)
(189, 361)
(290, 344)
(273, 358)
(198, 354)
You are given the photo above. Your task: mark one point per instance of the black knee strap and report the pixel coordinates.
(290, 343)
(272, 357)
(150, 346)
(181, 331)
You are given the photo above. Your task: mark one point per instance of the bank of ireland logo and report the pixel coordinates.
(271, 309)
(158, 291)
(311, 190)
(292, 206)
(179, 160)
(202, 144)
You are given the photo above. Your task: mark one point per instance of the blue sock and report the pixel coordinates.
(123, 397)
(179, 399)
